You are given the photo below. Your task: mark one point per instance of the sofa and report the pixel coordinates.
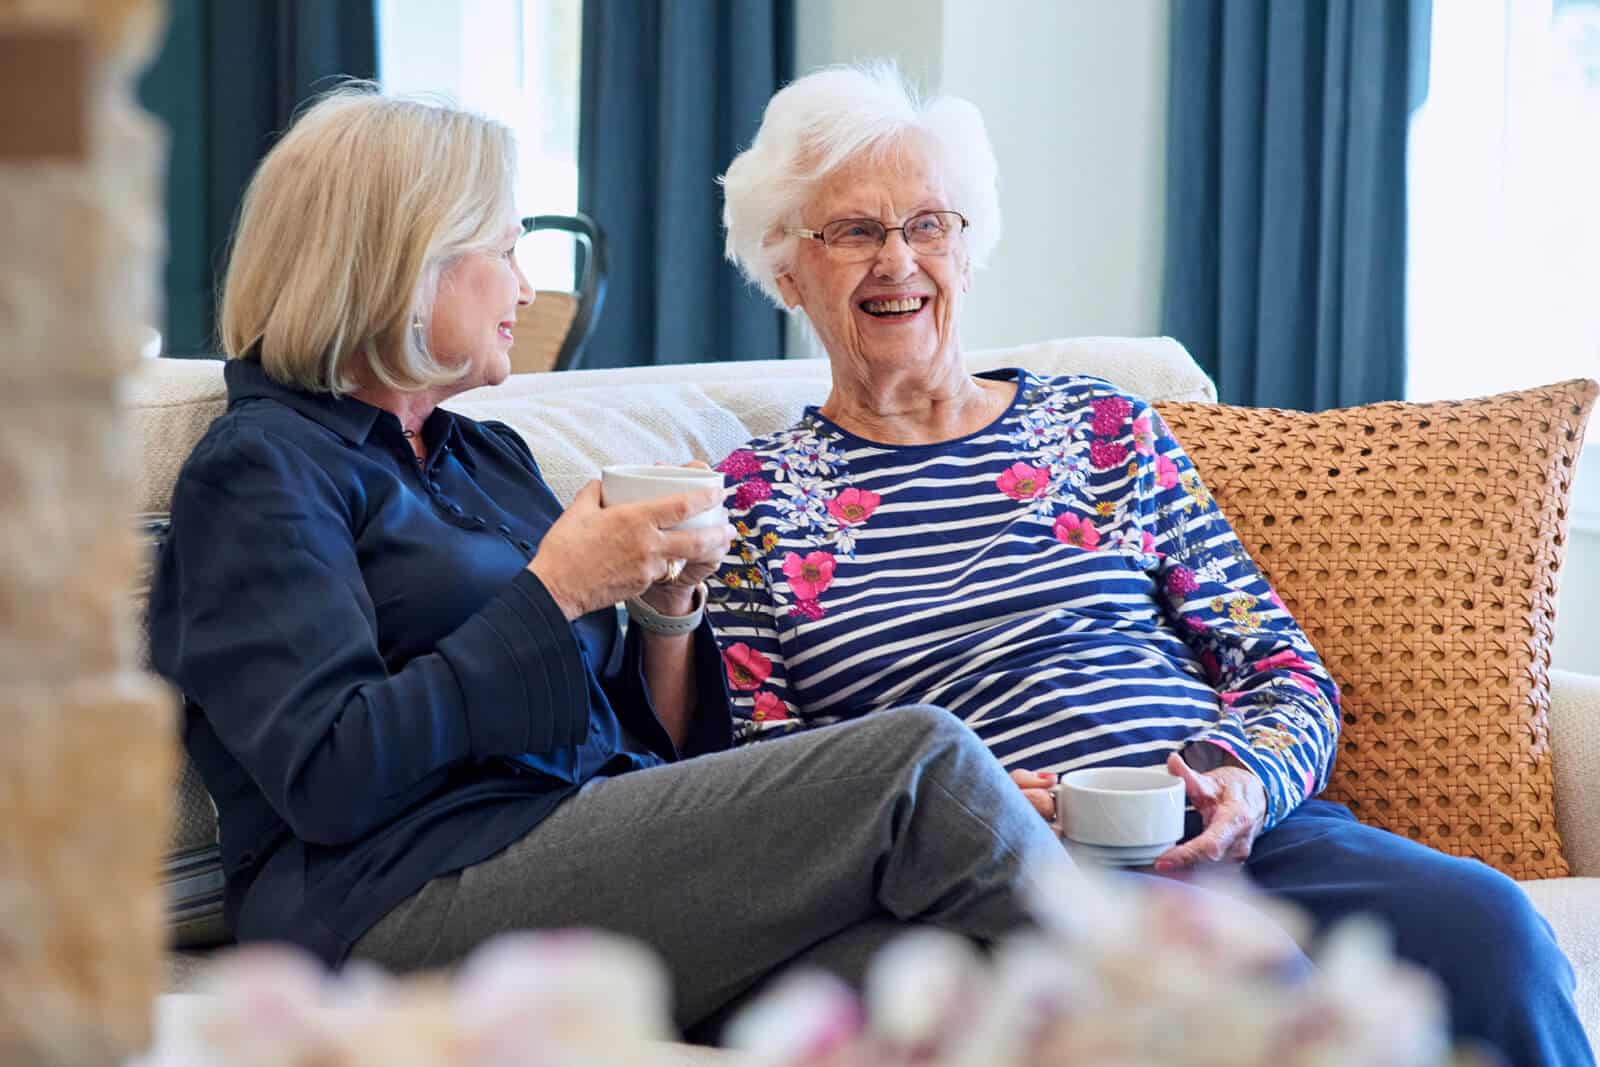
(577, 421)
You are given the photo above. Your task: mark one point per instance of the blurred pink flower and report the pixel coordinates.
(1079, 532)
(1105, 454)
(807, 609)
(1166, 472)
(1181, 582)
(808, 577)
(853, 505)
(1022, 482)
(1109, 414)
(740, 465)
(747, 668)
(770, 707)
(750, 493)
(1144, 438)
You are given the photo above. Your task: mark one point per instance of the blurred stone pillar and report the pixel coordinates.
(86, 739)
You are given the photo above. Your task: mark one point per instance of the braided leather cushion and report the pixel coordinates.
(1419, 546)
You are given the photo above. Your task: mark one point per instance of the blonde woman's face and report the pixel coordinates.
(475, 311)
(899, 308)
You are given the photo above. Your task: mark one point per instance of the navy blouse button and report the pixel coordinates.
(526, 546)
(478, 523)
(436, 487)
(455, 509)
(503, 528)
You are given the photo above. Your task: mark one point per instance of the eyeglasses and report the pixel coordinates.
(929, 233)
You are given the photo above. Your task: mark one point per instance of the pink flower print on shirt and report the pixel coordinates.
(1181, 582)
(1287, 660)
(751, 493)
(1166, 472)
(1106, 454)
(746, 667)
(1109, 413)
(853, 505)
(807, 609)
(1147, 542)
(1022, 482)
(770, 708)
(1144, 438)
(1079, 532)
(808, 577)
(740, 465)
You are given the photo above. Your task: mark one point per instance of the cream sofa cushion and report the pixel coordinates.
(577, 421)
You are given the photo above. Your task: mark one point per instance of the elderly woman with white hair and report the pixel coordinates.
(1038, 555)
(405, 685)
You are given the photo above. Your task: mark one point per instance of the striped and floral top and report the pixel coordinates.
(1060, 579)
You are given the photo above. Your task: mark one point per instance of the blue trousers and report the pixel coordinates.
(1509, 984)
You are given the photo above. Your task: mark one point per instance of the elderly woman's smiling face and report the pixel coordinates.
(898, 307)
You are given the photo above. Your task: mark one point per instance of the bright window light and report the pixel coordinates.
(1504, 272)
(515, 61)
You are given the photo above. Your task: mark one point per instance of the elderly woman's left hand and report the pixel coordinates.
(1232, 804)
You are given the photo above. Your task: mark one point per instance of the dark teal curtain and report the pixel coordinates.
(226, 84)
(1286, 194)
(671, 91)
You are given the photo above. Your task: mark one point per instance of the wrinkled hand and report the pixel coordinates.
(594, 557)
(1232, 804)
(1037, 786)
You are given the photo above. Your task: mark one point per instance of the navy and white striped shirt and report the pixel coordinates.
(1061, 580)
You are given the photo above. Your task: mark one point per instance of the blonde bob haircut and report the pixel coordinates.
(345, 230)
(835, 116)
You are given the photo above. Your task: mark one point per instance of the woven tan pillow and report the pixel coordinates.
(1419, 544)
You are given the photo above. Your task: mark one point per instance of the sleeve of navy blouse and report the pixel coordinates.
(709, 729)
(1279, 706)
(745, 616)
(266, 624)
(711, 725)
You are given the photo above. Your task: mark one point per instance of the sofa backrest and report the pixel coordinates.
(578, 421)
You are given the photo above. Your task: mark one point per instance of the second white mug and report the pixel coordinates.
(1120, 807)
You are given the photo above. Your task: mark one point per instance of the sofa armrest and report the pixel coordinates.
(1575, 745)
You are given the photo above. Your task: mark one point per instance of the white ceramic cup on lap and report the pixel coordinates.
(1122, 816)
(632, 484)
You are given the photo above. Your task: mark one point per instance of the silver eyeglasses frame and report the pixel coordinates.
(883, 237)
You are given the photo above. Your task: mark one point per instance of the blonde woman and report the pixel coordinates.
(405, 687)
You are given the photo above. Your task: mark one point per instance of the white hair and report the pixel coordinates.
(826, 119)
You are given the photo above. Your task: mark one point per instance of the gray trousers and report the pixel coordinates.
(733, 865)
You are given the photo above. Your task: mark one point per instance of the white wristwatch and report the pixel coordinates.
(655, 622)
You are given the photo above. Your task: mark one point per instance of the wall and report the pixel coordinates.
(1077, 115)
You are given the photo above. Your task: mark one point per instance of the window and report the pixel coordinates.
(515, 61)
(1504, 287)
(1504, 272)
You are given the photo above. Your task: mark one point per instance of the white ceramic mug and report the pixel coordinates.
(1120, 807)
(635, 483)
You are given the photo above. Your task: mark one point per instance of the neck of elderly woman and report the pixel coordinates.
(913, 405)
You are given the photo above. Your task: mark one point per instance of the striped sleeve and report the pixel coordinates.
(1280, 705)
(744, 614)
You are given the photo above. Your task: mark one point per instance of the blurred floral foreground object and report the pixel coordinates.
(1119, 973)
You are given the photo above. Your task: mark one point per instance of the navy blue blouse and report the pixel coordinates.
(377, 691)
